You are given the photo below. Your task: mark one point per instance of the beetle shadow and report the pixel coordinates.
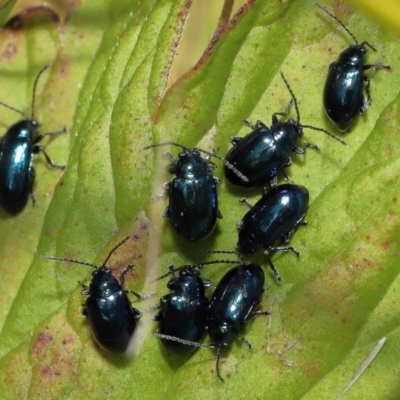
(175, 361)
(5, 215)
(243, 192)
(194, 251)
(118, 359)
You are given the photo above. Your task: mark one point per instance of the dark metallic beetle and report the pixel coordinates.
(111, 316)
(183, 313)
(344, 87)
(265, 151)
(17, 148)
(274, 217)
(193, 202)
(231, 306)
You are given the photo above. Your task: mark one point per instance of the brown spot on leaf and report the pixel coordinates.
(43, 341)
(10, 50)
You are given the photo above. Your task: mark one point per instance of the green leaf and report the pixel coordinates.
(109, 84)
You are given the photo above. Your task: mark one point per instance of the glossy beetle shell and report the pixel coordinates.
(183, 313)
(233, 301)
(16, 171)
(262, 153)
(344, 87)
(193, 201)
(273, 217)
(109, 311)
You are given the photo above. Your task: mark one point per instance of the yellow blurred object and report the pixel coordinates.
(387, 11)
(4, 3)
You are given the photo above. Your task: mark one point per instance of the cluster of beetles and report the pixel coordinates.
(255, 160)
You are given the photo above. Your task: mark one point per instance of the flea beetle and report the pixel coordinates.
(344, 87)
(111, 316)
(17, 148)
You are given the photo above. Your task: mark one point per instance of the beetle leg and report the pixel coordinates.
(260, 124)
(235, 140)
(288, 164)
(38, 138)
(136, 313)
(265, 190)
(272, 266)
(167, 212)
(257, 314)
(376, 66)
(207, 283)
(32, 175)
(83, 285)
(159, 305)
(244, 201)
(273, 182)
(283, 113)
(249, 345)
(298, 150)
(285, 175)
(217, 363)
(364, 104)
(170, 156)
(36, 149)
(211, 166)
(166, 186)
(285, 248)
(219, 215)
(158, 316)
(216, 179)
(249, 124)
(310, 145)
(368, 100)
(239, 225)
(85, 291)
(287, 237)
(84, 310)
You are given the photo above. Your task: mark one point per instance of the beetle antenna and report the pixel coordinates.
(292, 94)
(183, 341)
(217, 364)
(226, 163)
(217, 262)
(69, 260)
(326, 132)
(113, 249)
(199, 265)
(34, 88)
(338, 20)
(165, 144)
(219, 251)
(172, 271)
(26, 116)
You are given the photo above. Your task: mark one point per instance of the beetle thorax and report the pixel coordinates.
(190, 166)
(247, 244)
(189, 286)
(287, 133)
(221, 334)
(24, 129)
(354, 55)
(103, 284)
